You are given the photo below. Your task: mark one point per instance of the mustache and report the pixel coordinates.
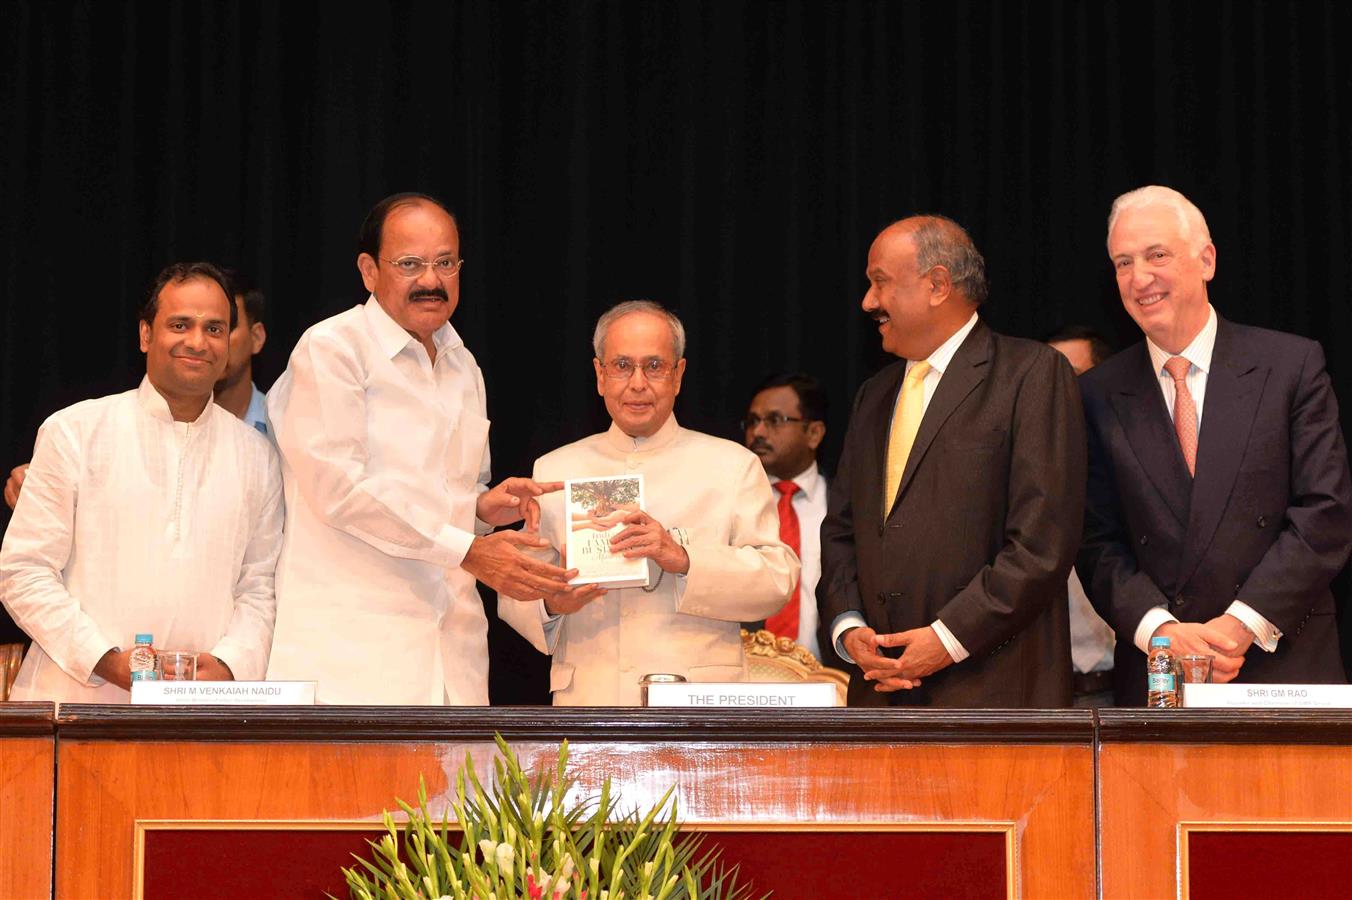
(429, 294)
(759, 444)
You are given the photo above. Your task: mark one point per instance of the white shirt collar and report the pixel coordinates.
(392, 338)
(806, 479)
(1198, 352)
(941, 357)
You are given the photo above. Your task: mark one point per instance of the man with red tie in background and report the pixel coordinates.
(1218, 499)
(784, 426)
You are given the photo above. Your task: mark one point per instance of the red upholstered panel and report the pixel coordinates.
(1262, 864)
(302, 864)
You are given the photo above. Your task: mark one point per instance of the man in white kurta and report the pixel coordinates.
(132, 521)
(384, 454)
(382, 426)
(707, 508)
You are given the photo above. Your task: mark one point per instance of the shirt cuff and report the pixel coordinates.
(843, 623)
(455, 544)
(1265, 634)
(1154, 618)
(951, 644)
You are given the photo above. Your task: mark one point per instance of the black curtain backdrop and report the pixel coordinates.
(730, 159)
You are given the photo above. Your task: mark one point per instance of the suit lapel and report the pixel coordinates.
(1139, 405)
(1233, 388)
(965, 371)
(883, 405)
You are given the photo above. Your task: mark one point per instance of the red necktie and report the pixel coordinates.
(1185, 411)
(785, 622)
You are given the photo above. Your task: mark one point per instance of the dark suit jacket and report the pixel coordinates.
(983, 532)
(1266, 520)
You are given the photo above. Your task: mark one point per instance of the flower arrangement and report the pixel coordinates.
(521, 840)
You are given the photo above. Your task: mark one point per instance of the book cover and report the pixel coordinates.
(596, 508)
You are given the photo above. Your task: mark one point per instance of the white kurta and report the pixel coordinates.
(713, 495)
(384, 454)
(131, 522)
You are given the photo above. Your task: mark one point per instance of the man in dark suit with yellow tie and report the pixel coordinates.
(953, 520)
(1218, 497)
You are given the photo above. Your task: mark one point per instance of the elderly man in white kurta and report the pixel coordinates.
(708, 527)
(381, 422)
(152, 511)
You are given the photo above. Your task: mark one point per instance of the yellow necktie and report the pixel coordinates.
(905, 423)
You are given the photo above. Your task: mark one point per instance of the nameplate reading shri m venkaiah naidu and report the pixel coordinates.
(224, 693)
(744, 694)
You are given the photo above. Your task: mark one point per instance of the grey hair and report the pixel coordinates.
(1192, 224)
(629, 307)
(939, 241)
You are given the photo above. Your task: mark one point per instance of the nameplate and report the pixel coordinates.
(1267, 696)
(224, 693)
(744, 695)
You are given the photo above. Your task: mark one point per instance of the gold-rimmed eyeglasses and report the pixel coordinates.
(414, 266)
(622, 368)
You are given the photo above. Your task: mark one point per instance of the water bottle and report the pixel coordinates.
(1161, 675)
(142, 659)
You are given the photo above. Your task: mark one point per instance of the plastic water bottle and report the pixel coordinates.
(1161, 675)
(142, 660)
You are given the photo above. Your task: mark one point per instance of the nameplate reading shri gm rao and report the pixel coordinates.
(224, 693)
(744, 695)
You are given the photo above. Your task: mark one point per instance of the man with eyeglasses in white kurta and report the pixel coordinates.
(382, 426)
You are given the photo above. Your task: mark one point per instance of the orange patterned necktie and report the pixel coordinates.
(1185, 411)
(785, 622)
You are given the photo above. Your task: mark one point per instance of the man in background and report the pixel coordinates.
(153, 511)
(1091, 639)
(784, 425)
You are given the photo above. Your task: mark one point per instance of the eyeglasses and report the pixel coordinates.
(774, 420)
(622, 368)
(414, 266)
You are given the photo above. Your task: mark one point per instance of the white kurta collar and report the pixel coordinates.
(152, 402)
(392, 338)
(661, 438)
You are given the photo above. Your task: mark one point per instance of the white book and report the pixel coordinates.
(595, 509)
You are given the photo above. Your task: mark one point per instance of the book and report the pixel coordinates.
(595, 509)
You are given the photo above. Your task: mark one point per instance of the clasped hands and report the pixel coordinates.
(1225, 638)
(498, 561)
(925, 654)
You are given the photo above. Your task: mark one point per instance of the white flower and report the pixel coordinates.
(488, 848)
(505, 856)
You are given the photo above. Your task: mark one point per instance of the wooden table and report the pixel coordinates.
(27, 758)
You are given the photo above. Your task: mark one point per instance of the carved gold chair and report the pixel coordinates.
(773, 658)
(11, 655)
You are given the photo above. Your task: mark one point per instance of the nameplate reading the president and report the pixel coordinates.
(224, 693)
(744, 695)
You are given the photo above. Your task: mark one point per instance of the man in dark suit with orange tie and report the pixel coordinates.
(954, 516)
(1218, 496)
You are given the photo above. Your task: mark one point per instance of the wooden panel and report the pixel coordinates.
(1150, 791)
(27, 760)
(1045, 791)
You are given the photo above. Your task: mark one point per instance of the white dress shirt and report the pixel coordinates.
(256, 416)
(131, 522)
(384, 454)
(939, 361)
(810, 505)
(1198, 354)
